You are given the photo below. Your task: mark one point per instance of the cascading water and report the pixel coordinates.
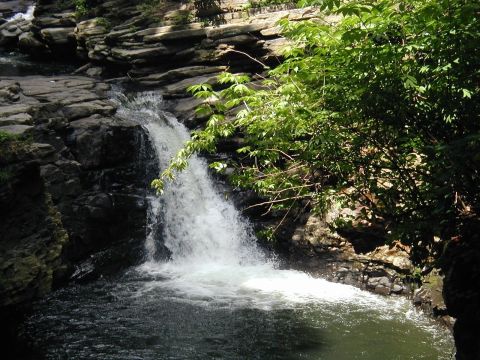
(214, 256)
(27, 15)
(218, 296)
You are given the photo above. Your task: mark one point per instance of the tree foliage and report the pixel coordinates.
(380, 109)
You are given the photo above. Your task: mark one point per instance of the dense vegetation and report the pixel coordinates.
(378, 111)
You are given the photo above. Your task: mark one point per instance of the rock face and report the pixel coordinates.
(72, 184)
(462, 288)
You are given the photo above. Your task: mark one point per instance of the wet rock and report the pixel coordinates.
(9, 37)
(11, 30)
(94, 141)
(229, 30)
(12, 7)
(55, 20)
(381, 271)
(86, 109)
(16, 119)
(95, 72)
(185, 111)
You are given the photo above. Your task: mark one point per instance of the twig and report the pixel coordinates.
(282, 152)
(266, 67)
(277, 201)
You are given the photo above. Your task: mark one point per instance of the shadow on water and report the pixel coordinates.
(113, 320)
(15, 64)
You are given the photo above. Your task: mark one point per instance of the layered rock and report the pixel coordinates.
(127, 35)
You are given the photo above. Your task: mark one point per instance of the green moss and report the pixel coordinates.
(59, 233)
(182, 17)
(82, 8)
(252, 4)
(7, 137)
(267, 234)
(5, 176)
(151, 7)
(101, 21)
(433, 280)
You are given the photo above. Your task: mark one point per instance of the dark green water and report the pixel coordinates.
(128, 318)
(15, 64)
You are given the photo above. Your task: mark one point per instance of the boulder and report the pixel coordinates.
(94, 141)
(57, 37)
(14, 109)
(60, 20)
(9, 37)
(29, 44)
(86, 109)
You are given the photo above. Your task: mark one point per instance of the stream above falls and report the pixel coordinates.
(206, 290)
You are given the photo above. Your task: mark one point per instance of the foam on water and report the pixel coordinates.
(27, 15)
(255, 286)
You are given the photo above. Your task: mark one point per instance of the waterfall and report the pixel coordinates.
(199, 225)
(214, 256)
(27, 15)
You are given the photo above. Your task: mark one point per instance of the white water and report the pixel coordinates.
(214, 258)
(27, 15)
